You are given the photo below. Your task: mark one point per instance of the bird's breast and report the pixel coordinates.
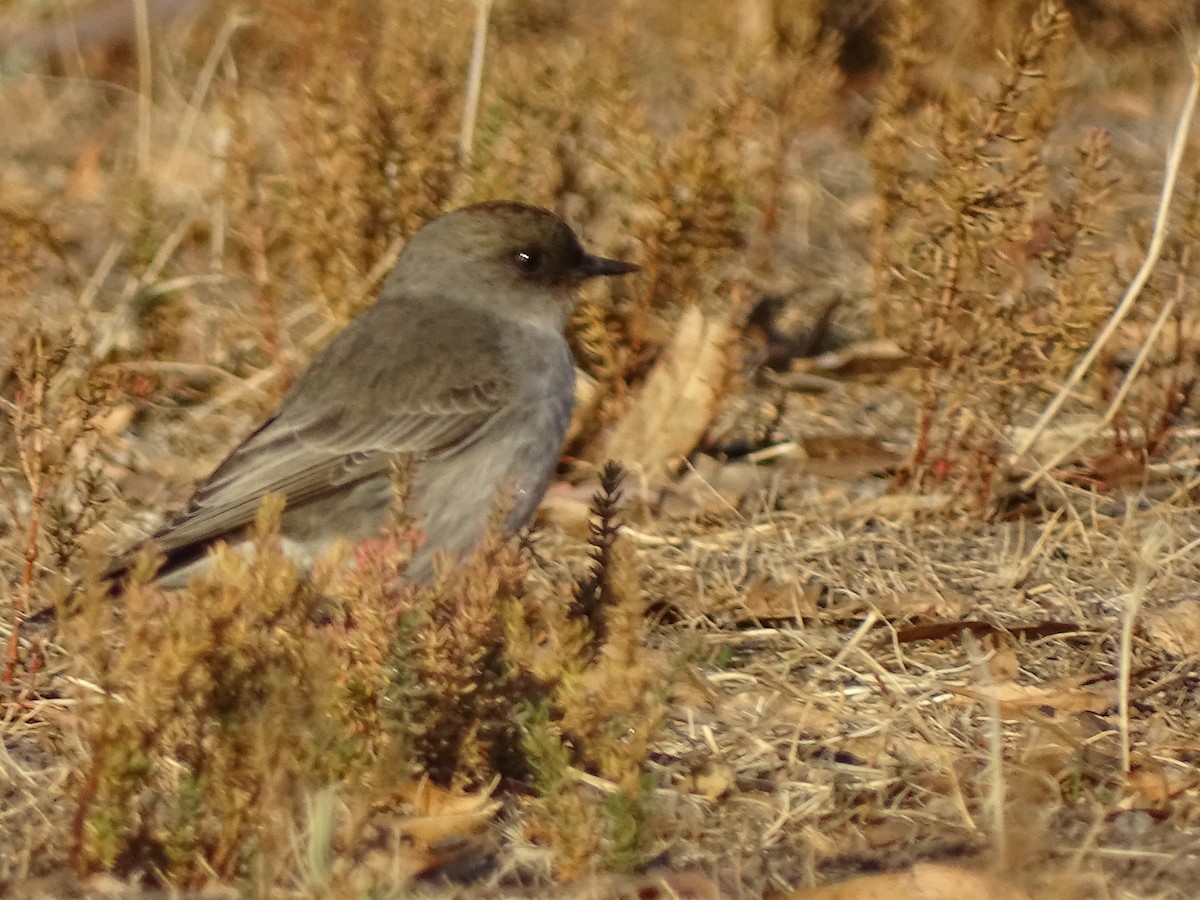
(512, 461)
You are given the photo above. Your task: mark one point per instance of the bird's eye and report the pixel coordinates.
(529, 260)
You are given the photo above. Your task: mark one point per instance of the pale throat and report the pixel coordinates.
(547, 314)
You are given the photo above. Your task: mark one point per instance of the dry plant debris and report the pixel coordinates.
(866, 611)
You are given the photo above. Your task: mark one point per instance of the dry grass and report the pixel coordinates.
(859, 627)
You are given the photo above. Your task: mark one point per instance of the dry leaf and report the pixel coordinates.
(86, 182)
(846, 456)
(670, 413)
(1057, 438)
(1115, 470)
(1013, 698)
(441, 814)
(801, 382)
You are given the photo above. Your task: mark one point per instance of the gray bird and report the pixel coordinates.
(460, 365)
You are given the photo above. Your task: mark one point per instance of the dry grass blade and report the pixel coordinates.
(466, 138)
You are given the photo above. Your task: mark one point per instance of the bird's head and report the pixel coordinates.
(510, 257)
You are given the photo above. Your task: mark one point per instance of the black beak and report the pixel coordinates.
(595, 266)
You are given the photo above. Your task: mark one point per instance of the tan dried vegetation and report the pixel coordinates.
(900, 579)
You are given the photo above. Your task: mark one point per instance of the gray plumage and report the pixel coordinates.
(460, 365)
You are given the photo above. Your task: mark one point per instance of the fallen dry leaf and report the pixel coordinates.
(567, 510)
(441, 814)
(801, 382)
(1013, 698)
(86, 182)
(846, 456)
(670, 413)
(1113, 471)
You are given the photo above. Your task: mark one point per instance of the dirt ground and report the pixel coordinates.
(899, 605)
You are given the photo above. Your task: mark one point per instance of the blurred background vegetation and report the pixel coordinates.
(875, 235)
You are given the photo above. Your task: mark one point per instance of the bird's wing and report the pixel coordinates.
(306, 455)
